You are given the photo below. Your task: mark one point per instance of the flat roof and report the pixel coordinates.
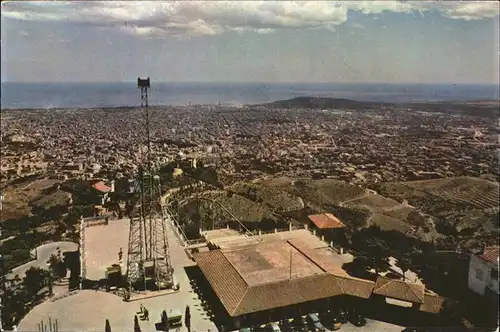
(271, 262)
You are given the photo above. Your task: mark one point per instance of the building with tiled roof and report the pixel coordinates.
(326, 221)
(103, 190)
(490, 254)
(483, 271)
(328, 227)
(292, 268)
(408, 294)
(101, 187)
(399, 289)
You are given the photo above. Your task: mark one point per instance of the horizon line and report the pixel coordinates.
(252, 82)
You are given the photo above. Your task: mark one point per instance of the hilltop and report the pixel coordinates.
(475, 108)
(319, 102)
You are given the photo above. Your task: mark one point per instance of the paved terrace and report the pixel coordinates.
(102, 244)
(88, 310)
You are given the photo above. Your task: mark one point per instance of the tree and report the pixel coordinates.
(358, 268)
(50, 284)
(164, 320)
(34, 280)
(54, 263)
(404, 263)
(13, 307)
(452, 311)
(187, 318)
(137, 328)
(108, 327)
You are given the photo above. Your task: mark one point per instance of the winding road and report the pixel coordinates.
(42, 253)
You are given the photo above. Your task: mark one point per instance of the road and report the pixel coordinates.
(372, 326)
(43, 253)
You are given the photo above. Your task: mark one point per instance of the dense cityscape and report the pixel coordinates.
(361, 147)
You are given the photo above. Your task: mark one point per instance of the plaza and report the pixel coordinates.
(87, 310)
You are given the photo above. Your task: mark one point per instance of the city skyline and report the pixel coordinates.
(243, 42)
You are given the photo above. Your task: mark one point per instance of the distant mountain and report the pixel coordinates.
(474, 108)
(318, 102)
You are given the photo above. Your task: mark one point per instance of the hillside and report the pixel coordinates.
(451, 210)
(318, 102)
(488, 109)
(460, 206)
(22, 197)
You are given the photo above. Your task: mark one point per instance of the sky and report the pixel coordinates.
(251, 41)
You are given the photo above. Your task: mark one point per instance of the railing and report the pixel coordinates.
(83, 271)
(185, 240)
(177, 229)
(194, 242)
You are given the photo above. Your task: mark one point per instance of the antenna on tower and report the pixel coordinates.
(148, 263)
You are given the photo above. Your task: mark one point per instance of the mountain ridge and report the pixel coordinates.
(474, 108)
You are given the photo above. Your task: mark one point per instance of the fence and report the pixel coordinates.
(83, 271)
(181, 236)
(99, 220)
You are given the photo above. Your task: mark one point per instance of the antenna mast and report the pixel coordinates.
(148, 264)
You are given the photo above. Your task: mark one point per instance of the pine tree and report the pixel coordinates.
(187, 318)
(164, 320)
(137, 328)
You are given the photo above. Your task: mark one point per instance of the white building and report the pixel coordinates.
(483, 271)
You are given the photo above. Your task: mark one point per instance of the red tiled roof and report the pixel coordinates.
(239, 298)
(432, 303)
(100, 186)
(287, 292)
(490, 254)
(400, 290)
(356, 287)
(223, 277)
(326, 220)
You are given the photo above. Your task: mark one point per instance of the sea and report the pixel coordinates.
(95, 95)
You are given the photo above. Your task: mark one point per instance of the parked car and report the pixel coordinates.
(273, 327)
(285, 325)
(355, 318)
(299, 324)
(314, 322)
(331, 321)
(340, 313)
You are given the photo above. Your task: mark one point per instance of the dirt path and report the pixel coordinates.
(366, 194)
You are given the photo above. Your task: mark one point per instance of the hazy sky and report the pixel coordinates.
(261, 41)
